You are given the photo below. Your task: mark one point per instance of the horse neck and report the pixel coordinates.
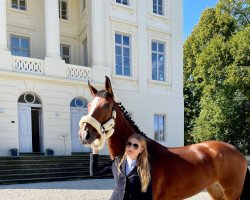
(123, 129)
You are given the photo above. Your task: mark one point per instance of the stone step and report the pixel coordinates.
(30, 162)
(43, 175)
(50, 179)
(43, 157)
(22, 169)
(42, 170)
(32, 154)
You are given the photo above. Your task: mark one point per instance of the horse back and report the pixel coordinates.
(213, 153)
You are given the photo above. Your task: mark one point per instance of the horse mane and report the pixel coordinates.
(128, 118)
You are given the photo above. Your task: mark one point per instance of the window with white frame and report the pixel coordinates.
(159, 123)
(158, 60)
(63, 9)
(20, 46)
(19, 4)
(158, 7)
(122, 54)
(65, 52)
(124, 2)
(85, 53)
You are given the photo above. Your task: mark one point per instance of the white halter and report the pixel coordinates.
(105, 130)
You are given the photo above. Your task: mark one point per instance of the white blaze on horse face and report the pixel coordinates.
(94, 104)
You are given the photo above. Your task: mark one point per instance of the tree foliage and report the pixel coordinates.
(217, 76)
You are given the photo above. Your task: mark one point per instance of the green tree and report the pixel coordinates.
(216, 76)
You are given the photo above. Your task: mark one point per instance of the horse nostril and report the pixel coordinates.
(87, 135)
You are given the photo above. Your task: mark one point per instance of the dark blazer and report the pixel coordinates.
(127, 187)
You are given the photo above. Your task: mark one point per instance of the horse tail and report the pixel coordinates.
(245, 195)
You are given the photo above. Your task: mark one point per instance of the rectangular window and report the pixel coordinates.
(19, 4)
(158, 7)
(65, 53)
(159, 132)
(85, 53)
(124, 2)
(63, 9)
(20, 46)
(122, 55)
(158, 61)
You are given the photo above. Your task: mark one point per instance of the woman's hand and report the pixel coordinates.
(95, 150)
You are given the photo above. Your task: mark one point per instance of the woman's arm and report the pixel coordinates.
(99, 171)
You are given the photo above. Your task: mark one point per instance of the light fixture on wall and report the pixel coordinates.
(1, 110)
(57, 114)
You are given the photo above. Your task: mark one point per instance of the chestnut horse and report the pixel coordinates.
(177, 173)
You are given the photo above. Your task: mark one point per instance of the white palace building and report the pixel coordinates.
(49, 49)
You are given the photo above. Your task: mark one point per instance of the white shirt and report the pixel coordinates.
(130, 164)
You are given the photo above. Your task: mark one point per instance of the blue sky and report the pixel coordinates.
(192, 10)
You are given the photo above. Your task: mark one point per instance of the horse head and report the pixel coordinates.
(97, 126)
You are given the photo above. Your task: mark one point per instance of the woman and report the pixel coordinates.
(131, 171)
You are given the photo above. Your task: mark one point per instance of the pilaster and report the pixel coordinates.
(5, 56)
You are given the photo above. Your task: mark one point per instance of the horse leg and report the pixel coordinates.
(232, 183)
(232, 193)
(215, 191)
(232, 187)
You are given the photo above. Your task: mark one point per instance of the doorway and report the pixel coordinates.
(35, 124)
(78, 108)
(30, 124)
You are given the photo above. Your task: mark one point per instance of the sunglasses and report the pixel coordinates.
(134, 145)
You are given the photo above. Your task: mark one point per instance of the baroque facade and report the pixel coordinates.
(49, 49)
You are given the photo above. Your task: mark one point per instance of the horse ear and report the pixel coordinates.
(93, 91)
(108, 86)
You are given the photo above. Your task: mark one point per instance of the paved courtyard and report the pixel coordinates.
(94, 189)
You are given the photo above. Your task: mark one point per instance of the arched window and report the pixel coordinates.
(79, 102)
(29, 97)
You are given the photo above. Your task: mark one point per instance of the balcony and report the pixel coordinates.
(38, 67)
(28, 65)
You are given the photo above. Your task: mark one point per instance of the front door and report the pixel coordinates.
(29, 127)
(76, 115)
(24, 128)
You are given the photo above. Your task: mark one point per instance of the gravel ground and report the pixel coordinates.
(92, 189)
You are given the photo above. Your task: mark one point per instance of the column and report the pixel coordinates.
(97, 32)
(54, 65)
(52, 29)
(5, 56)
(3, 32)
(98, 25)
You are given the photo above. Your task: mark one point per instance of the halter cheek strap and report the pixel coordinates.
(106, 130)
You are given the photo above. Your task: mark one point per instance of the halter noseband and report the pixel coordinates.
(106, 130)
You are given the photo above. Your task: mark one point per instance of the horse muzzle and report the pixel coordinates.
(86, 135)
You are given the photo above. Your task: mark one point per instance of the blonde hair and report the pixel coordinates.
(143, 167)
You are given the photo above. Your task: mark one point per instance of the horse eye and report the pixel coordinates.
(106, 106)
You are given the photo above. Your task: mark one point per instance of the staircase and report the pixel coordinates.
(29, 168)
